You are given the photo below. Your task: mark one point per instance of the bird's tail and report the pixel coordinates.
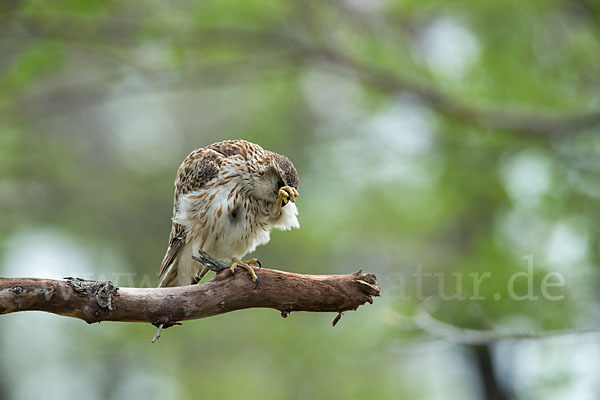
(173, 278)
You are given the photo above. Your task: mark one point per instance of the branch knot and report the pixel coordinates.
(104, 291)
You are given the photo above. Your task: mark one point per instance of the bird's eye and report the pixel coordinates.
(280, 183)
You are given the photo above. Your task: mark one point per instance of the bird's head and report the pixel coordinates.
(278, 172)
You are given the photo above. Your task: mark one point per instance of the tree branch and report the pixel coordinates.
(295, 50)
(544, 123)
(94, 301)
(439, 330)
(476, 337)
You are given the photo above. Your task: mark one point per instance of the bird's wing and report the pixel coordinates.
(230, 148)
(199, 168)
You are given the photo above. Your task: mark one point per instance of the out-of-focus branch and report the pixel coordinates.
(489, 118)
(451, 333)
(94, 301)
(293, 49)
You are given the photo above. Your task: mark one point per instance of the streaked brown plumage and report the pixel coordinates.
(228, 197)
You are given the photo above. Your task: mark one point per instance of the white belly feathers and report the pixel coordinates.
(217, 222)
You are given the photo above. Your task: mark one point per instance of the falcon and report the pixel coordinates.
(228, 197)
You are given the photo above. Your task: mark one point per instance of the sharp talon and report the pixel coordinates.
(259, 264)
(256, 286)
(253, 275)
(286, 194)
(247, 267)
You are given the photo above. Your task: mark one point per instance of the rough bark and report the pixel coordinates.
(94, 301)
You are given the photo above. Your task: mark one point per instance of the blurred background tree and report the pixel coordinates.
(443, 137)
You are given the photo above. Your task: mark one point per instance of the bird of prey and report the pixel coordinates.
(228, 197)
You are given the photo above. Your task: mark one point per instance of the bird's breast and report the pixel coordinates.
(224, 223)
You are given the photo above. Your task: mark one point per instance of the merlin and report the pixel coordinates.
(228, 197)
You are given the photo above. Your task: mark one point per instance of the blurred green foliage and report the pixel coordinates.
(434, 135)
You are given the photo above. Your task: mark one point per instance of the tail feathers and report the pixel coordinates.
(172, 278)
(169, 278)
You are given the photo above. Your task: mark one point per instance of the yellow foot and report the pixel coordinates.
(247, 266)
(286, 194)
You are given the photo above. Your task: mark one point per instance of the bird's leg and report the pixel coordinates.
(210, 263)
(218, 266)
(247, 266)
(252, 261)
(285, 195)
